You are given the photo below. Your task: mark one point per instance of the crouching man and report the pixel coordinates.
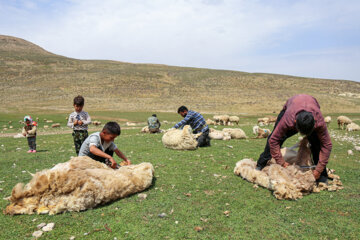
(100, 146)
(154, 124)
(197, 123)
(301, 113)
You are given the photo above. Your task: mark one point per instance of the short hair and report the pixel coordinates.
(154, 115)
(182, 109)
(112, 128)
(305, 122)
(79, 100)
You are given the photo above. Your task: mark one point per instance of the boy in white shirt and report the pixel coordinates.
(100, 146)
(79, 121)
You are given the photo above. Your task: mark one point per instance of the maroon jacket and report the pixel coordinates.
(292, 107)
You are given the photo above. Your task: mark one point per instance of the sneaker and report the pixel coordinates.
(34, 151)
(30, 151)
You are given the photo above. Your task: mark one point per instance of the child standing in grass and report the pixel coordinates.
(79, 121)
(29, 131)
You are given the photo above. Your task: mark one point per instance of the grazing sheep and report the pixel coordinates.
(236, 133)
(46, 126)
(261, 132)
(219, 135)
(234, 119)
(327, 120)
(210, 122)
(55, 125)
(77, 185)
(263, 121)
(221, 119)
(343, 121)
(180, 139)
(291, 182)
(352, 127)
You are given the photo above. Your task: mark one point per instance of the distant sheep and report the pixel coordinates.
(96, 123)
(343, 121)
(210, 122)
(219, 135)
(49, 121)
(55, 125)
(145, 129)
(236, 133)
(352, 127)
(180, 139)
(327, 120)
(263, 121)
(234, 119)
(261, 132)
(291, 182)
(222, 119)
(77, 185)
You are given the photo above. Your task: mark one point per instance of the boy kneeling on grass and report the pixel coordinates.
(100, 146)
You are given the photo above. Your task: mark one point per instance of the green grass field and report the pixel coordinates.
(186, 189)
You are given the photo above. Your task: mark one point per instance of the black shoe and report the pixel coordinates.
(322, 179)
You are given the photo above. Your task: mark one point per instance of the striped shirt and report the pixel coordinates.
(195, 120)
(83, 116)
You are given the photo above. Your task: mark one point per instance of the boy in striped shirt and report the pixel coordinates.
(79, 121)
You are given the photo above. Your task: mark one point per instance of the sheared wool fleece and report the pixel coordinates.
(180, 139)
(291, 182)
(77, 185)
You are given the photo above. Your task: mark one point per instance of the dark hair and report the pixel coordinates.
(79, 101)
(154, 115)
(305, 122)
(182, 109)
(112, 128)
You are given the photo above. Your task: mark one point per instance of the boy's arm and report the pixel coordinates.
(24, 131)
(94, 150)
(87, 121)
(70, 123)
(122, 156)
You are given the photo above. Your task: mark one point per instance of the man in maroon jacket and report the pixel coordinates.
(301, 113)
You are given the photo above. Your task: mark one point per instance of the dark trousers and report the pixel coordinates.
(101, 159)
(79, 137)
(32, 143)
(313, 140)
(204, 139)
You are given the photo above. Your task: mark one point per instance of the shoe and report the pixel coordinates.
(322, 179)
(258, 168)
(34, 151)
(30, 151)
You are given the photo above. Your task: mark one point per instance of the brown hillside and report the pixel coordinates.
(34, 79)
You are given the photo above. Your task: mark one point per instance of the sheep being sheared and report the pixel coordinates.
(261, 132)
(291, 182)
(79, 184)
(180, 139)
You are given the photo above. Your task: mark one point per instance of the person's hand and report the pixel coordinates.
(128, 162)
(80, 122)
(113, 163)
(285, 164)
(76, 122)
(316, 174)
(24, 134)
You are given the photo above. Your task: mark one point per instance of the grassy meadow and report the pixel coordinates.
(193, 188)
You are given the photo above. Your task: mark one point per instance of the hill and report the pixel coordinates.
(33, 79)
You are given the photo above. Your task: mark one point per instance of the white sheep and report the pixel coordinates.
(343, 121)
(210, 122)
(145, 129)
(352, 127)
(263, 121)
(79, 184)
(236, 133)
(261, 132)
(219, 135)
(221, 119)
(327, 120)
(180, 139)
(234, 119)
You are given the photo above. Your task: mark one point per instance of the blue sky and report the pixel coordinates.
(318, 38)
